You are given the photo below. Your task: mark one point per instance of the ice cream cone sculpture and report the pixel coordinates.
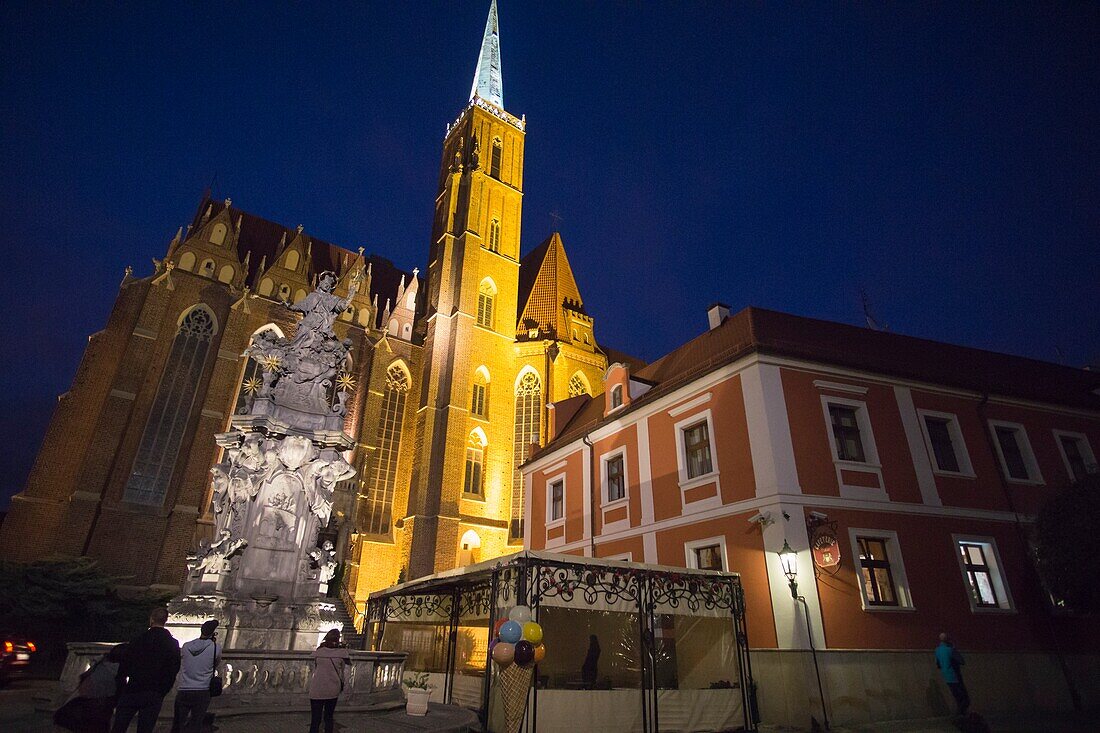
(516, 648)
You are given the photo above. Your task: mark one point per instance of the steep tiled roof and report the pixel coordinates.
(614, 355)
(259, 238)
(838, 344)
(546, 283)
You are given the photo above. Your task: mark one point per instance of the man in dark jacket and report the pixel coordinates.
(147, 674)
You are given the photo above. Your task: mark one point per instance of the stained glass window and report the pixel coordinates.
(528, 430)
(172, 405)
(378, 505)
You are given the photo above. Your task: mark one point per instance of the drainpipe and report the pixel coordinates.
(1022, 532)
(591, 495)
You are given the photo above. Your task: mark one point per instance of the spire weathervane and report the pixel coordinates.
(488, 79)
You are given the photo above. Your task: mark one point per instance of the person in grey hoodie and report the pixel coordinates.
(328, 680)
(200, 656)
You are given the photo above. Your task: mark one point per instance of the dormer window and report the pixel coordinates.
(616, 396)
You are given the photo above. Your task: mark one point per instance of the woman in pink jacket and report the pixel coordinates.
(328, 680)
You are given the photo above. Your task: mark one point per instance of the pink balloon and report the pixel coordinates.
(504, 653)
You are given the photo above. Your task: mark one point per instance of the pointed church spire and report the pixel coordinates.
(488, 80)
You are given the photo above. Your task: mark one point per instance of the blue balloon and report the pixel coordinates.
(511, 632)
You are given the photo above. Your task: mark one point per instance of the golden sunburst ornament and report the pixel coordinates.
(271, 363)
(345, 382)
(253, 385)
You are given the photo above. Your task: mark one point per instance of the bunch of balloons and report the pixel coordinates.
(518, 639)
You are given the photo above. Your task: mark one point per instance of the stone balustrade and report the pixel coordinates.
(260, 680)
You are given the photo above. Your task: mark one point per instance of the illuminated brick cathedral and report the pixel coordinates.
(453, 373)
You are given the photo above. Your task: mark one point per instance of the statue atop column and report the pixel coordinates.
(264, 575)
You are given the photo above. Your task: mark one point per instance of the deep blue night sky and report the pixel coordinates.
(944, 157)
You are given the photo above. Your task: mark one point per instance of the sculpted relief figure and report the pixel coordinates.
(215, 557)
(324, 558)
(240, 475)
(319, 310)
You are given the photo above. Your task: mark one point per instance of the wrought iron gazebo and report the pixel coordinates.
(672, 640)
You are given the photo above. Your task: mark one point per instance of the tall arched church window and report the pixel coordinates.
(377, 510)
(252, 378)
(528, 430)
(486, 294)
(494, 235)
(164, 427)
(498, 155)
(577, 385)
(475, 466)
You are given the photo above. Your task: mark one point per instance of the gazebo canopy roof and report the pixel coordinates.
(481, 572)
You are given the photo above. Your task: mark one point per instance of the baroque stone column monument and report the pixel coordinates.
(264, 575)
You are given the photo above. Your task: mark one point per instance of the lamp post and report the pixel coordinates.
(788, 560)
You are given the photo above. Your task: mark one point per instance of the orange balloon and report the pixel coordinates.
(540, 653)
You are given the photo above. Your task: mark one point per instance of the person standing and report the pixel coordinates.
(328, 680)
(200, 657)
(146, 675)
(950, 663)
(591, 665)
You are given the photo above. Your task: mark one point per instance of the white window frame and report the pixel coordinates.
(621, 557)
(996, 574)
(551, 523)
(690, 561)
(681, 452)
(870, 451)
(962, 455)
(897, 570)
(866, 435)
(617, 389)
(1086, 452)
(605, 499)
(1034, 475)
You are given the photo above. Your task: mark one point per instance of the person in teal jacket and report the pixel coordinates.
(950, 663)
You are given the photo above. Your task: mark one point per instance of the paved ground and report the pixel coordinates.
(17, 715)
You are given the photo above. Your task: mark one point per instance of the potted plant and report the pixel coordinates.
(417, 692)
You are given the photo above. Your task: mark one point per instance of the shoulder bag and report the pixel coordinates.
(215, 680)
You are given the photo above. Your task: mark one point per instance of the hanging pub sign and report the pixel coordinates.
(826, 548)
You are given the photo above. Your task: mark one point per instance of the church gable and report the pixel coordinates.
(549, 299)
(209, 250)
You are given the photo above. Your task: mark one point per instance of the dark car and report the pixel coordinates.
(15, 656)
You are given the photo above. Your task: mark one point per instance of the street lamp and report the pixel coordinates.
(788, 560)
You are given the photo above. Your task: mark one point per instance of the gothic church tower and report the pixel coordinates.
(460, 493)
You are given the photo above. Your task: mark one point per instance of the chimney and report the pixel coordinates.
(716, 314)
